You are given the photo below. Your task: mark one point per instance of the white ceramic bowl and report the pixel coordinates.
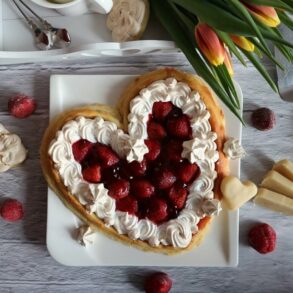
(78, 7)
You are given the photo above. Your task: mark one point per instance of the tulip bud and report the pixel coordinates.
(209, 44)
(264, 14)
(228, 62)
(243, 43)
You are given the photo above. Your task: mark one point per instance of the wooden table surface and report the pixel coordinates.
(25, 264)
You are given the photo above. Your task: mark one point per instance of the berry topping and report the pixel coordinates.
(262, 238)
(21, 106)
(179, 127)
(80, 149)
(137, 168)
(154, 149)
(187, 171)
(177, 195)
(158, 210)
(158, 283)
(164, 178)
(174, 150)
(127, 204)
(161, 110)
(106, 156)
(156, 131)
(11, 210)
(263, 119)
(119, 188)
(92, 173)
(142, 188)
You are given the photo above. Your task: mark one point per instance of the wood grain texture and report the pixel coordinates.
(25, 264)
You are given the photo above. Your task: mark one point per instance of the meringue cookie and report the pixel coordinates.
(12, 151)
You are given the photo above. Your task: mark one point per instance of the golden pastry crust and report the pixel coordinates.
(120, 118)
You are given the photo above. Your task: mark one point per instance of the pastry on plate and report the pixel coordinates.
(148, 171)
(128, 19)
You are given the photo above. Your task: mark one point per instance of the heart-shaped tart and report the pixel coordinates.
(148, 171)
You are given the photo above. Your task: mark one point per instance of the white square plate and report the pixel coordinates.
(219, 248)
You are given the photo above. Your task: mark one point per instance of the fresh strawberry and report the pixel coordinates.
(106, 156)
(158, 283)
(119, 188)
(158, 210)
(187, 171)
(127, 204)
(174, 150)
(179, 127)
(137, 169)
(11, 210)
(92, 173)
(177, 195)
(156, 131)
(164, 178)
(80, 149)
(262, 238)
(161, 110)
(142, 188)
(21, 106)
(154, 149)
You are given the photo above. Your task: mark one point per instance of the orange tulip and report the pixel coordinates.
(243, 43)
(265, 14)
(228, 62)
(209, 44)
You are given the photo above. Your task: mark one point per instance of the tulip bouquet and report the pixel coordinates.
(209, 31)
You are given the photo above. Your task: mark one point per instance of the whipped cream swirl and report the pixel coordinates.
(233, 149)
(201, 149)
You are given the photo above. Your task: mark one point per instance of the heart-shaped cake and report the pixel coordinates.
(148, 171)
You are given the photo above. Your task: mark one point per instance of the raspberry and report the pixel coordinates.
(187, 172)
(137, 169)
(158, 283)
(142, 188)
(21, 106)
(179, 127)
(164, 178)
(263, 119)
(177, 195)
(154, 149)
(156, 131)
(92, 173)
(158, 210)
(11, 210)
(174, 150)
(127, 204)
(80, 149)
(106, 155)
(119, 188)
(161, 110)
(262, 238)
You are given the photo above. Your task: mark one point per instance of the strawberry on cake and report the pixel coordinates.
(146, 173)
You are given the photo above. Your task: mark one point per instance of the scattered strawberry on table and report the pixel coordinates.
(262, 238)
(263, 119)
(21, 106)
(158, 283)
(11, 210)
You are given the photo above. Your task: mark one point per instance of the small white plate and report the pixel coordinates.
(219, 248)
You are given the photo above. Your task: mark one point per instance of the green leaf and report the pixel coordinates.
(261, 69)
(286, 19)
